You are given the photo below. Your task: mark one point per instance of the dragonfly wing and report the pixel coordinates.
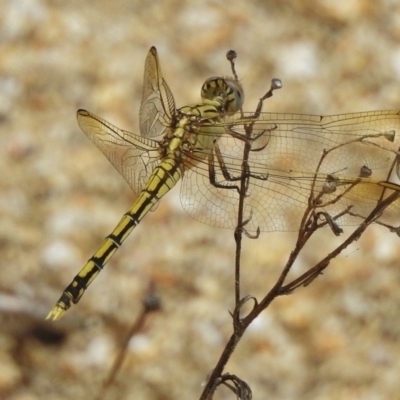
(375, 136)
(133, 156)
(295, 157)
(205, 202)
(158, 105)
(267, 201)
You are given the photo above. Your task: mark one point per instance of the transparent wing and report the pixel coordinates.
(158, 105)
(338, 160)
(133, 156)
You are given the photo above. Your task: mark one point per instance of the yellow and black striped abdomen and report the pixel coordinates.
(162, 180)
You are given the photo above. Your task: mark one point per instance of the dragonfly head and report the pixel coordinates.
(228, 89)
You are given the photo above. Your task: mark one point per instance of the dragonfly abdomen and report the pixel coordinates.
(161, 181)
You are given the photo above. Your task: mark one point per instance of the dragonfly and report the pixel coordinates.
(340, 164)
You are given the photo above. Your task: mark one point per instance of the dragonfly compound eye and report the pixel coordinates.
(227, 89)
(235, 98)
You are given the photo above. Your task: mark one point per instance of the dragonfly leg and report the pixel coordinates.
(226, 174)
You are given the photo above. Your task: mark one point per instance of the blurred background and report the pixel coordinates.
(336, 339)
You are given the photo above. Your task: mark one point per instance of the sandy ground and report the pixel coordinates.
(339, 338)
